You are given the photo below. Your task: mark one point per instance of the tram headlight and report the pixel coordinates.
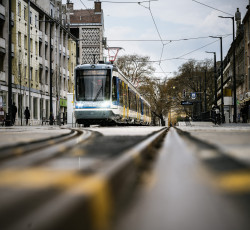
(79, 105)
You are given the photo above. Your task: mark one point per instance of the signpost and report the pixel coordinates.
(193, 95)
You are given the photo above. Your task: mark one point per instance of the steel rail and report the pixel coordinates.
(41, 150)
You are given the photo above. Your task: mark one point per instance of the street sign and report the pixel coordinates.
(193, 95)
(186, 103)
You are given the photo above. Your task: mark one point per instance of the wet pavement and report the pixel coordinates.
(182, 193)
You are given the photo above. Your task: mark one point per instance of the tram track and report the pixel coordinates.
(26, 154)
(38, 196)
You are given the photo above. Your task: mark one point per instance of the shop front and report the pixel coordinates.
(63, 111)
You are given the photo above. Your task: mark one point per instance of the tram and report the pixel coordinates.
(104, 96)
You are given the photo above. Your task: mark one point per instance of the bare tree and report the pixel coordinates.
(136, 68)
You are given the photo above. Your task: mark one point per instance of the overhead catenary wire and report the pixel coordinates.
(165, 40)
(212, 7)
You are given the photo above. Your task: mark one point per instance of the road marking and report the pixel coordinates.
(235, 182)
(18, 151)
(77, 152)
(95, 187)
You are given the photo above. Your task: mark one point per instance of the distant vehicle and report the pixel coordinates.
(104, 96)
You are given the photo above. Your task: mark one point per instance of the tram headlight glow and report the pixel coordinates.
(79, 104)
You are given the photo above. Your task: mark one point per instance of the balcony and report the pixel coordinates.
(2, 76)
(2, 12)
(2, 45)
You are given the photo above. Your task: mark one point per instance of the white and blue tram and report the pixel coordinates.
(104, 96)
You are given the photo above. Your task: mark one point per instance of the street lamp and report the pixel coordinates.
(215, 78)
(221, 75)
(234, 75)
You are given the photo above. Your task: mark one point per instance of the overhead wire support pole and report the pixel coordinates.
(9, 69)
(221, 77)
(234, 72)
(29, 54)
(50, 83)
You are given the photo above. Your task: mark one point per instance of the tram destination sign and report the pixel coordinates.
(186, 103)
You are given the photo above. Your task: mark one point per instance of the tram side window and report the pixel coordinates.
(142, 112)
(139, 105)
(107, 88)
(132, 101)
(120, 93)
(114, 89)
(125, 91)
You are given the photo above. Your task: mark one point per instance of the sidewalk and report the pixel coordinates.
(230, 138)
(18, 134)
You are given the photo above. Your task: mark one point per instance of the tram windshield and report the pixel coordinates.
(92, 85)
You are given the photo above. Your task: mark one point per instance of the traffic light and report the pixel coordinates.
(184, 93)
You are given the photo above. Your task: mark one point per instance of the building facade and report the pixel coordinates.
(4, 54)
(240, 72)
(88, 27)
(245, 102)
(46, 59)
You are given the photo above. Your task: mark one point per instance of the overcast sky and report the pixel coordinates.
(167, 20)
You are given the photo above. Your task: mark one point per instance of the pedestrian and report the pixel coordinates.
(216, 114)
(27, 115)
(13, 111)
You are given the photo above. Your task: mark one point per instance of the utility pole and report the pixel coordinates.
(50, 75)
(205, 91)
(29, 53)
(200, 101)
(221, 78)
(10, 70)
(234, 72)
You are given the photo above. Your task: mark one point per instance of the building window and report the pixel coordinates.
(30, 17)
(31, 73)
(25, 13)
(36, 76)
(40, 75)
(19, 39)
(31, 45)
(40, 49)
(19, 9)
(41, 109)
(46, 77)
(25, 72)
(36, 47)
(46, 52)
(25, 42)
(35, 108)
(35, 20)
